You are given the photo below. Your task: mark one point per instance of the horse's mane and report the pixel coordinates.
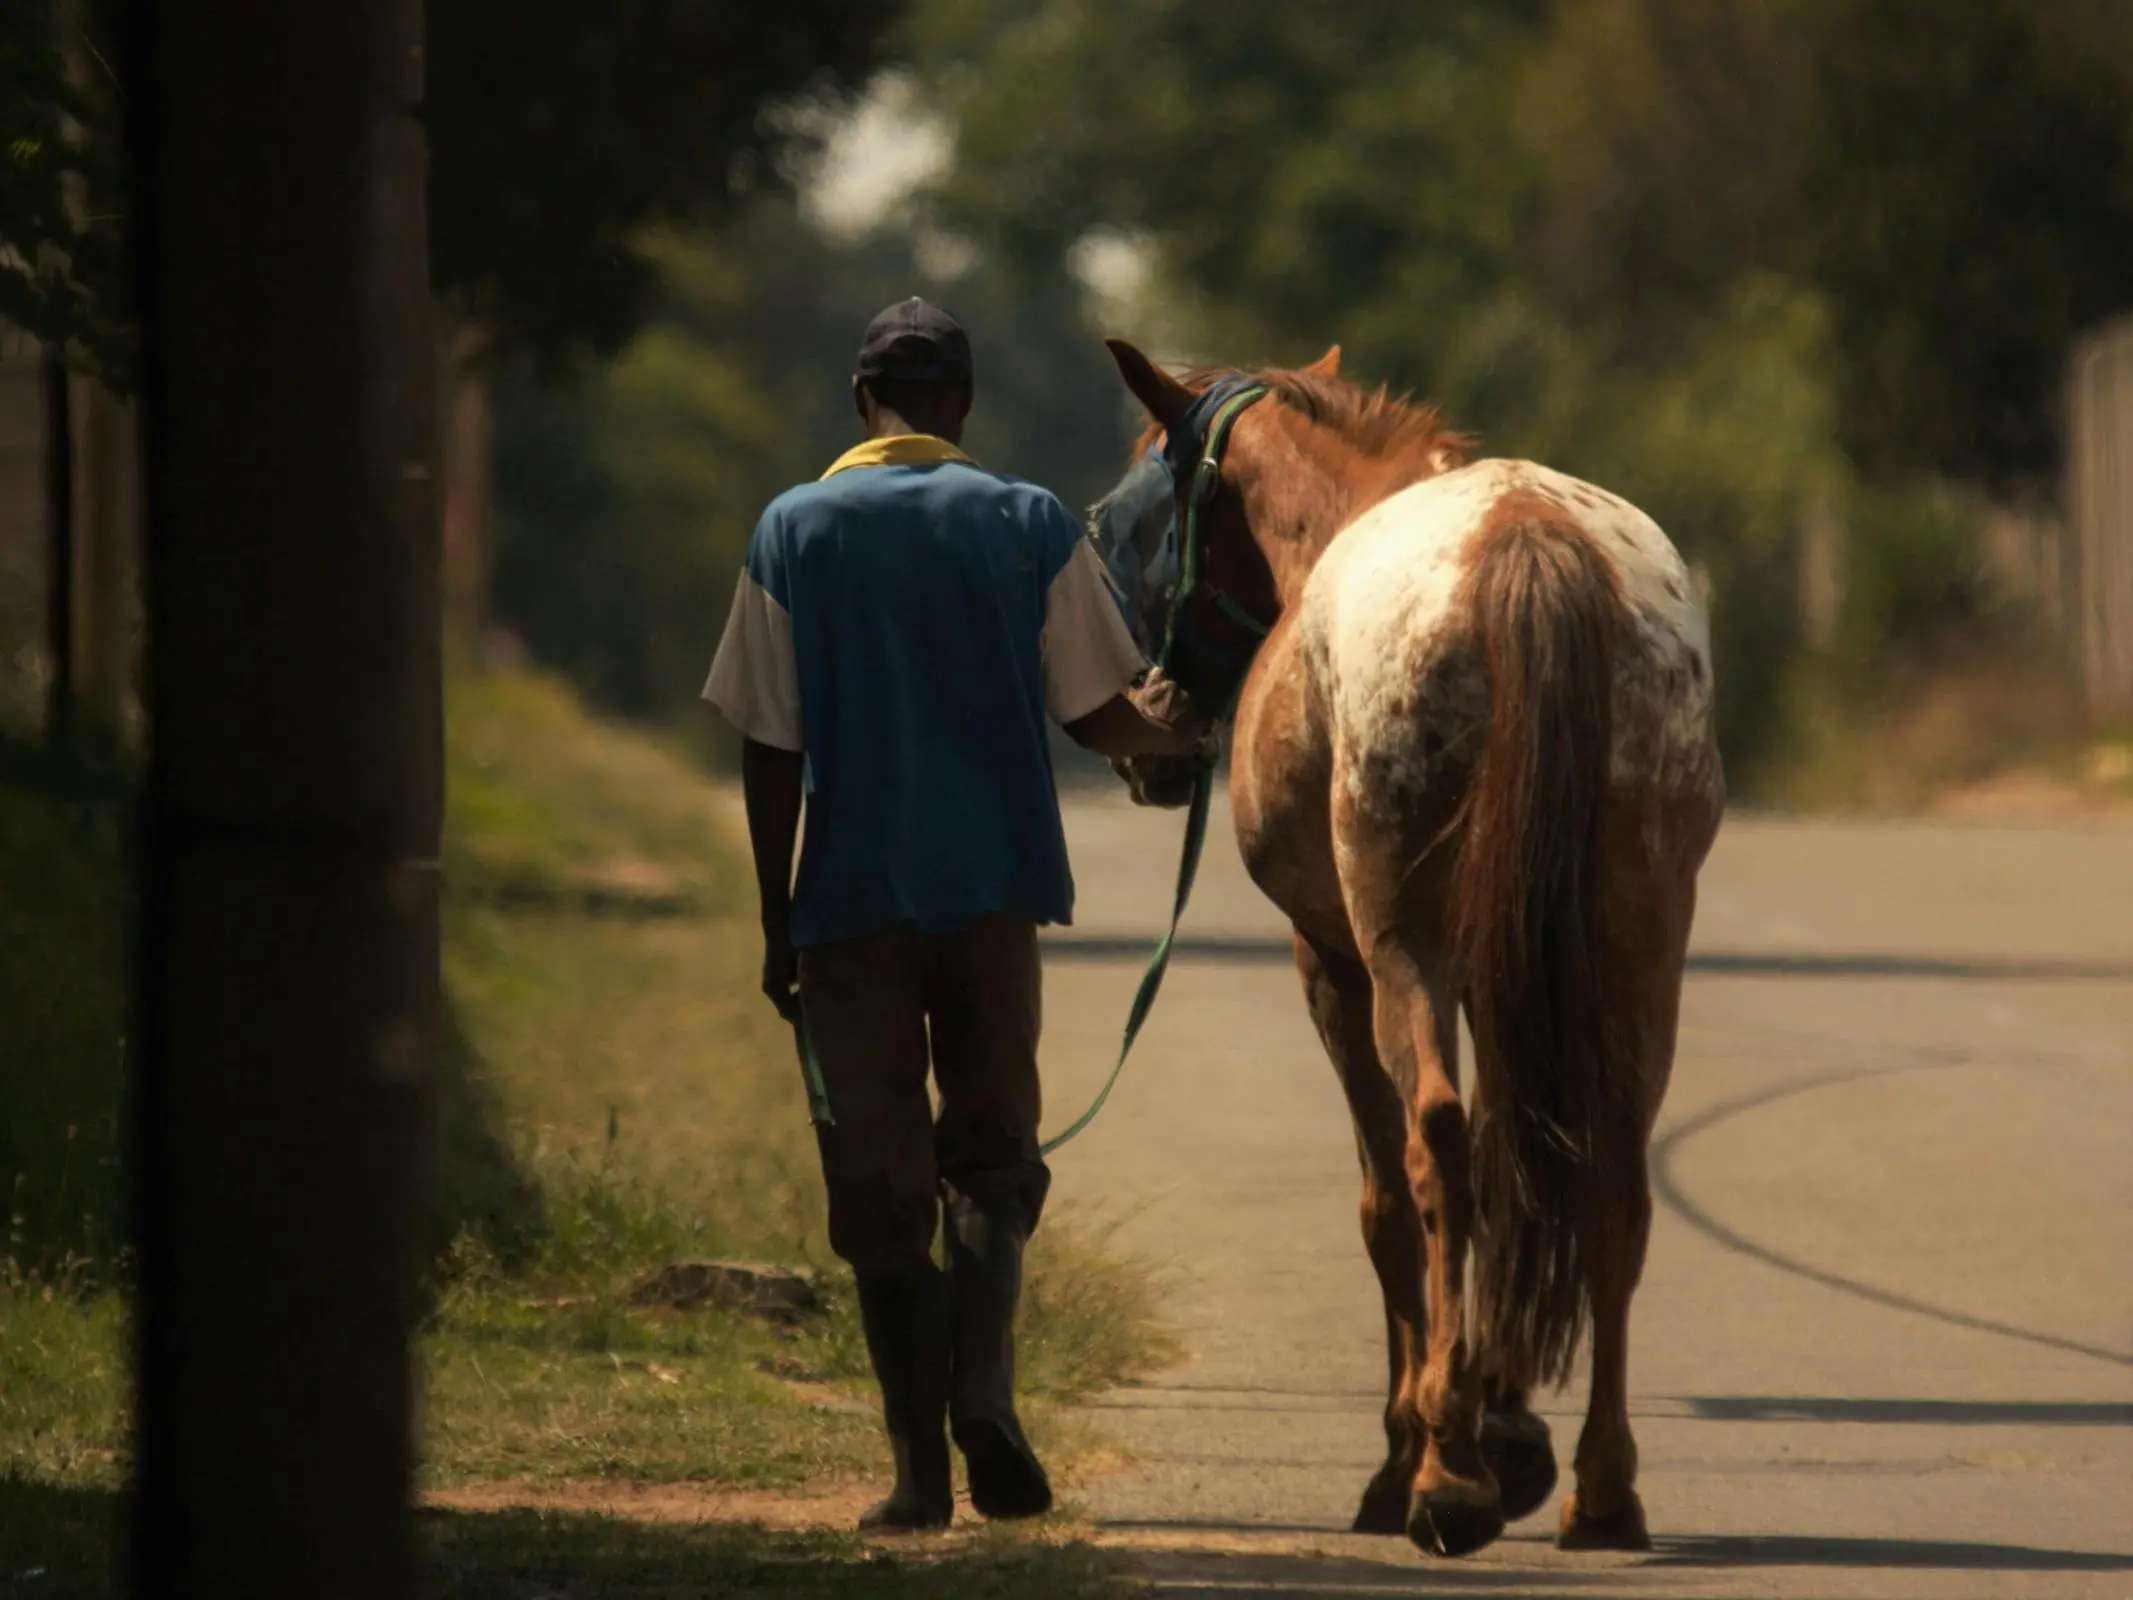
(1376, 422)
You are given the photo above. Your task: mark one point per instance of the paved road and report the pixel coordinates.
(1885, 1342)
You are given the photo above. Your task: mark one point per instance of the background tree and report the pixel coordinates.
(564, 136)
(1301, 173)
(562, 133)
(1668, 135)
(1774, 268)
(624, 503)
(60, 277)
(1967, 211)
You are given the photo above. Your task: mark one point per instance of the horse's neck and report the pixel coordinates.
(1296, 504)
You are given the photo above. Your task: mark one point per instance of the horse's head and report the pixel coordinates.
(1229, 502)
(1175, 536)
(1204, 417)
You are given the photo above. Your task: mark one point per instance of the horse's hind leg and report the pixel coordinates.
(1338, 989)
(1518, 1448)
(1514, 1442)
(1456, 1506)
(1604, 1513)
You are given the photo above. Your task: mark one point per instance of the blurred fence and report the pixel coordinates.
(2098, 576)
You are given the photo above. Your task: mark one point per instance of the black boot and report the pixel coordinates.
(905, 1319)
(985, 1242)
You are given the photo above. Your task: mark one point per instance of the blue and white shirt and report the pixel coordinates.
(908, 622)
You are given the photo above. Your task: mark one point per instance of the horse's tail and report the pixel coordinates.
(1527, 904)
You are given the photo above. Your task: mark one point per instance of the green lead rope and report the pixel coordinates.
(1203, 788)
(1205, 476)
(818, 1095)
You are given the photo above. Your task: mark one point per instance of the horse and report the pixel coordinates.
(1472, 761)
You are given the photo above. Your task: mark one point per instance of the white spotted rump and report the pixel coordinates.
(1392, 657)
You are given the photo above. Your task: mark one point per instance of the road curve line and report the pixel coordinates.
(1670, 1195)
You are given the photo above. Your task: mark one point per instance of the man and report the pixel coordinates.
(902, 629)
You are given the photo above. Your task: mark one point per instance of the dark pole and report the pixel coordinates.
(59, 551)
(287, 959)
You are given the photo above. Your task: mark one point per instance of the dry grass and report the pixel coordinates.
(655, 1102)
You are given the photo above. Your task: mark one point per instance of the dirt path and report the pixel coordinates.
(1885, 1343)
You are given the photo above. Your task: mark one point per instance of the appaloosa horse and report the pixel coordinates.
(1472, 761)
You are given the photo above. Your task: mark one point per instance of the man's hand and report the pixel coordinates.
(770, 780)
(1163, 702)
(1157, 718)
(781, 973)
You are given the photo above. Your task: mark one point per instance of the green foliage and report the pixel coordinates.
(560, 133)
(1729, 448)
(1747, 263)
(1305, 173)
(61, 273)
(1915, 573)
(1669, 136)
(1968, 210)
(558, 136)
(624, 504)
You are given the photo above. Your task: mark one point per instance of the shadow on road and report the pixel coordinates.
(1259, 950)
(1304, 1576)
(1214, 1571)
(1972, 1413)
(1806, 1550)
(1667, 1190)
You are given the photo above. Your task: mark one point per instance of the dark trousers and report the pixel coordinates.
(880, 1010)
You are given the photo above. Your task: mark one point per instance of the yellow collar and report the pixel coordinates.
(898, 450)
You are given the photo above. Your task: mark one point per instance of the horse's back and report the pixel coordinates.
(1388, 630)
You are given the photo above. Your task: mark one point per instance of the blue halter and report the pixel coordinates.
(1125, 528)
(1156, 565)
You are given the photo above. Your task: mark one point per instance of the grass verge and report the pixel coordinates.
(614, 1097)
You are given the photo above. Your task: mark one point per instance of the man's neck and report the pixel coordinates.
(890, 424)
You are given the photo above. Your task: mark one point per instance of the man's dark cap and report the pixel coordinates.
(915, 341)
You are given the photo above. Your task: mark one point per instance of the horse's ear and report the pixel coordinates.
(1165, 397)
(1327, 365)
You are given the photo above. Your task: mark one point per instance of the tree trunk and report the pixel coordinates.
(59, 552)
(286, 976)
(463, 382)
(106, 544)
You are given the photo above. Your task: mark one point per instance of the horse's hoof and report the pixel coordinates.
(1622, 1529)
(1519, 1451)
(1450, 1522)
(1384, 1507)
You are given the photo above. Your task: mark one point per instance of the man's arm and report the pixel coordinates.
(770, 784)
(1097, 684)
(755, 684)
(1156, 719)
